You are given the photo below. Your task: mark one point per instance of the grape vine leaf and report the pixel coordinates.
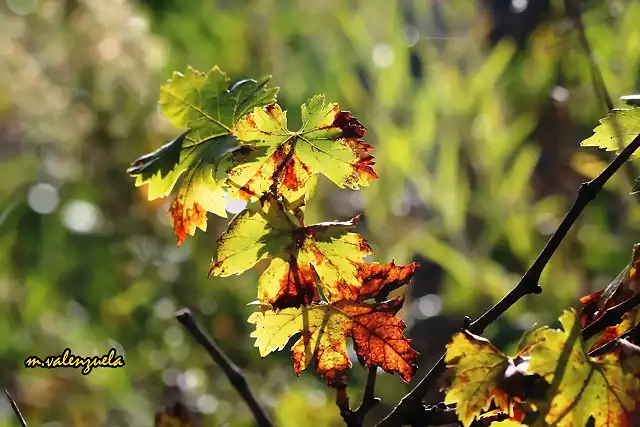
(376, 331)
(605, 136)
(379, 280)
(209, 107)
(597, 387)
(173, 416)
(476, 369)
(328, 142)
(623, 287)
(298, 252)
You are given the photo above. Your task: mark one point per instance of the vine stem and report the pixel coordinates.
(231, 370)
(411, 404)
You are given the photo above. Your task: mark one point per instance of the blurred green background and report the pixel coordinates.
(475, 108)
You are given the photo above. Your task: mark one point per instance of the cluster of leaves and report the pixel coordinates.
(569, 376)
(236, 144)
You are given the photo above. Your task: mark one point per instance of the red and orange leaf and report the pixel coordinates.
(629, 321)
(299, 253)
(328, 143)
(377, 333)
(619, 290)
(378, 280)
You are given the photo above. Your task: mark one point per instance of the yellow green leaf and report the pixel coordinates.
(620, 127)
(376, 332)
(328, 142)
(597, 387)
(208, 106)
(476, 367)
(298, 253)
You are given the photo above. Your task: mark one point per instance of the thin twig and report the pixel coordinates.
(528, 284)
(231, 370)
(369, 400)
(610, 317)
(15, 408)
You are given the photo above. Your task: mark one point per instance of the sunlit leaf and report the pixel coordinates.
(299, 252)
(376, 332)
(620, 127)
(597, 387)
(328, 142)
(208, 106)
(476, 369)
(378, 280)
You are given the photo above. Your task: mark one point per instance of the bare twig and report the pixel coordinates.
(369, 400)
(404, 412)
(231, 370)
(15, 408)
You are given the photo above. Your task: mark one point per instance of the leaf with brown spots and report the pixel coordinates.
(623, 287)
(208, 106)
(299, 253)
(329, 142)
(378, 280)
(477, 369)
(173, 416)
(377, 333)
(597, 387)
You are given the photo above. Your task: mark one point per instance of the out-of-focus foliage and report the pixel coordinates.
(476, 143)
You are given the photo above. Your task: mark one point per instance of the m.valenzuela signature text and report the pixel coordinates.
(68, 360)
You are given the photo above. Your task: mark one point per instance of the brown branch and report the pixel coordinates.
(231, 370)
(15, 408)
(369, 400)
(404, 412)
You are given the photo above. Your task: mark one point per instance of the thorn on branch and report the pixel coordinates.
(231, 370)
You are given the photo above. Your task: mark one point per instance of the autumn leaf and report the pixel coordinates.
(476, 371)
(597, 387)
(623, 287)
(298, 253)
(620, 127)
(209, 107)
(379, 280)
(173, 416)
(376, 332)
(328, 142)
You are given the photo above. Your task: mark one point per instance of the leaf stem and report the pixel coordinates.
(231, 370)
(404, 412)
